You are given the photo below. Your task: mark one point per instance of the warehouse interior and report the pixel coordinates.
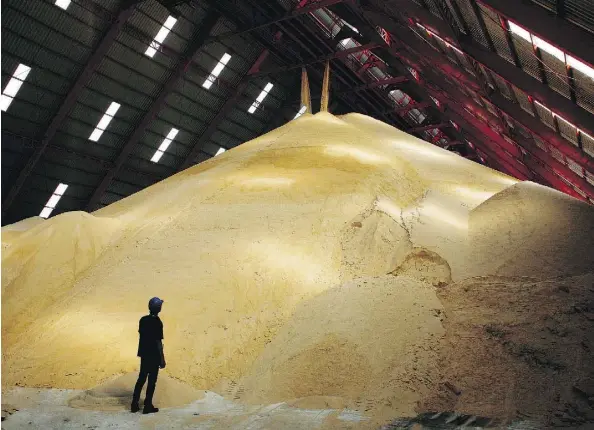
(360, 214)
(506, 84)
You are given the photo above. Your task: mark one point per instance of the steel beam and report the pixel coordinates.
(567, 36)
(339, 74)
(196, 43)
(222, 113)
(368, 31)
(538, 128)
(428, 127)
(406, 109)
(294, 13)
(236, 18)
(514, 111)
(387, 81)
(536, 153)
(547, 96)
(70, 100)
(333, 56)
(462, 117)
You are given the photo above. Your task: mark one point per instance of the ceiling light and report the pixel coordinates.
(104, 121)
(301, 112)
(14, 85)
(578, 65)
(516, 29)
(216, 71)
(260, 97)
(160, 37)
(53, 200)
(547, 47)
(63, 4)
(164, 145)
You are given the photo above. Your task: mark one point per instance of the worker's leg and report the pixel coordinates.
(144, 371)
(153, 372)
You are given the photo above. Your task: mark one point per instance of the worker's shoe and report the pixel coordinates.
(150, 409)
(134, 407)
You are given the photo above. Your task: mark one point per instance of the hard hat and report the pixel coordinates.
(155, 303)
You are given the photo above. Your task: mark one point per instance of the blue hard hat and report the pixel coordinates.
(155, 303)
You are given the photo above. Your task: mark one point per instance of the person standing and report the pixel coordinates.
(152, 357)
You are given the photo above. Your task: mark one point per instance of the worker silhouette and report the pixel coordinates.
(150, 351)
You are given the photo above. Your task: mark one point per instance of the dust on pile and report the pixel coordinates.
(372, 342)
(115, 394)
(262, 255)
(519, 348)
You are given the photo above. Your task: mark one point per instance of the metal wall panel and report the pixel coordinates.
(589, 176)
(540, 143)
(587, 144)
(575, 167)
(522, 99)
(580, 12)
(503, 86)
(547, 4)
(527, 57)
(567, 130)
(556, 73)
(496, 32)
(584, 90)
(545, 115)
(468, 15)
(558, 155)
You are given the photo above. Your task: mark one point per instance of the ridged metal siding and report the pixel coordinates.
(587, 144)
(584, 90)
(540, 143)
(545, 116)
(522, 99)
(503, 86)
(556, 74)
(468, 15)
(527, 57)
(580, 12)
(547, 4)
(567, 130)
(496, 32)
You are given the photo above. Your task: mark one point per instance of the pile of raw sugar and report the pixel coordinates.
(333, 262)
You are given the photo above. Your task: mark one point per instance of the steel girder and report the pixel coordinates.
(69, 101)
(197, 42)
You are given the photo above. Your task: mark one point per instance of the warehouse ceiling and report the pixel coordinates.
(102, 98)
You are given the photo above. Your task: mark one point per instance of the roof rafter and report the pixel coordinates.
(197, 42)
(69, 101)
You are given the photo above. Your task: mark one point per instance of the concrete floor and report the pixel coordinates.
(48, 409)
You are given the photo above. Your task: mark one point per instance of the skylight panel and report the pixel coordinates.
(301, 112)
(547, 47)
(578, 65)
(220, 151)
(516, 29)
(347, 43)
(160, 37)
(350, 26)
(216, 71)
(14, 85)
(544, 107)
(260, 98)
(53, 200)
(104, 121)
(63, 4)
(164, 145)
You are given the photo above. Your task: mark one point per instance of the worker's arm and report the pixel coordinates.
(160, 346)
